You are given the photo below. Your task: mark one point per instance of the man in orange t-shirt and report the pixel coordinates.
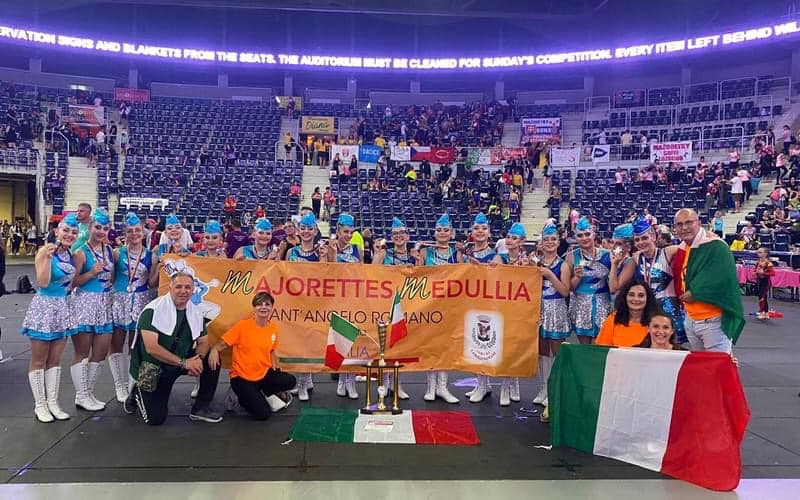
(253, 372)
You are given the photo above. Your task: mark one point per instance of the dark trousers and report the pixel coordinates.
(153, 405)
(763, 294)
(253, 395)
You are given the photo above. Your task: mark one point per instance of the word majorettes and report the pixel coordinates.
(48, 320)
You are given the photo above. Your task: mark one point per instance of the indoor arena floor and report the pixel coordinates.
(103, 454)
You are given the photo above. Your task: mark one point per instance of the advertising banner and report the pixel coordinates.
(601, 154)
(505, 154)
(369, 153)
(122, 94)
(459, 317)
(345, 152)
(322, 125)
(87, 116)
(400, 153)
(540, 129)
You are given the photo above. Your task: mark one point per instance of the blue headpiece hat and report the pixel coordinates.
(549, 230)
(517, 230)
(263, 224)
(101, 216)
(345, 220)
(172, 220)
(481, 220)
(131, 219)
(584, 224)
(444, 221)
(397, 223)
(70, 220)
(308, 220)
(641, 225)
(623, 232)
(213, 227)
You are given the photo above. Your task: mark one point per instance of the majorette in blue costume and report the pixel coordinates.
(261, 249)
(346, 253)
(213, 241)
(135, 282)
(440, 254)
(590, 301)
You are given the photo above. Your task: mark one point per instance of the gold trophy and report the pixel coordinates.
(380, 364)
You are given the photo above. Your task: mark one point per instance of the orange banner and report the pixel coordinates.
(464, 317)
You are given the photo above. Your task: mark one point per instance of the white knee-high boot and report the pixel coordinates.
(116, 365)
(482, 389)
(93, 371)
(36, 379)
(543, 374)
(441, 388)
(79, 373)
(52, 382)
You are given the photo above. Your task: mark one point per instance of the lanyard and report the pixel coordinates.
(132, 270)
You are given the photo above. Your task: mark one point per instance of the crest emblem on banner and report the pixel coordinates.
(483, 337)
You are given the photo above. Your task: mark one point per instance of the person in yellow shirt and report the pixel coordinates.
(380, 141)
(627, 325)
(254, 372)
(309, 148)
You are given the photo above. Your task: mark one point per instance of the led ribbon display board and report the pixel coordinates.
(257, 57)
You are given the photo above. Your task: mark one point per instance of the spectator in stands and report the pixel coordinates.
(733, 158)
(706, 283)
(353, 168)
(290, 107)
(235, 239)
(329, 202)
(634, 305)
(123, 142)
(626, 141)
(316, 202)
(294, 189)
(204, 154)
(737, 190)
(111, 139)
(716, 224)
(788, 139)
(619, 181)
(124, 113)
(260, 212)
(229, 206)
(100, 139)
(230, 156)
(644, 150)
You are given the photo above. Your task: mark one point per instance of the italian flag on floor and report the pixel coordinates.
(332, 425)
(682, 414)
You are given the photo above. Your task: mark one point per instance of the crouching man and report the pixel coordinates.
(171, 341)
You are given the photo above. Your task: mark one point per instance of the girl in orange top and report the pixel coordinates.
(253, 376)
(627, 325)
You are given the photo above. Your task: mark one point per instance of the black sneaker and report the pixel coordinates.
(205, 414)
(129, 406)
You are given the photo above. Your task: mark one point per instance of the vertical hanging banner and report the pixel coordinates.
(458, 317)
(540, 129)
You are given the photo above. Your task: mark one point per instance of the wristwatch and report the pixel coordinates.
(182, 363)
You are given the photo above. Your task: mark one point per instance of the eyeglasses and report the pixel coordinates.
(686, 223)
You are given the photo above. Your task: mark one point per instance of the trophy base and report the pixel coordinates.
(388, 411)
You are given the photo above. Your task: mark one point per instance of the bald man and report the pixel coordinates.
(706, 283)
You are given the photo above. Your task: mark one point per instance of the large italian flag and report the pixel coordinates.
(683, 414)
(334, 425)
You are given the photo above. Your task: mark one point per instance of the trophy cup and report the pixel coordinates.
(381, 366)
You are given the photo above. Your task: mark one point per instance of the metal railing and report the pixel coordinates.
(280, 143)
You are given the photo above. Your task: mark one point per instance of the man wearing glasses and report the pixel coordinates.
(706, 283)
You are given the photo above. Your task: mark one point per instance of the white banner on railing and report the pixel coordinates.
(345, 152)
(400, 153)
(601, 154)
(671, 151)
(565, 157)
